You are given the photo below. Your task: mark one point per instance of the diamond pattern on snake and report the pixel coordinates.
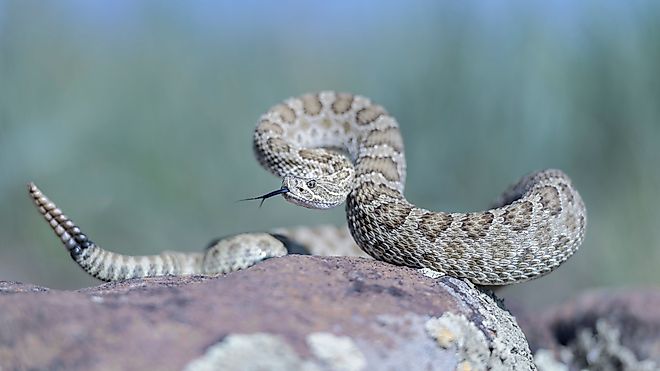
(330, 148)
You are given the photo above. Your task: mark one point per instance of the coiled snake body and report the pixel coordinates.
(330, 148)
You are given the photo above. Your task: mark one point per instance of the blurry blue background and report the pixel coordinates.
(136, 117)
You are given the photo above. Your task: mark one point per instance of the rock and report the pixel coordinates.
(295, 312)
(599, 330)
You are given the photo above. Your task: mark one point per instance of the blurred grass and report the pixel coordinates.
(136, 117)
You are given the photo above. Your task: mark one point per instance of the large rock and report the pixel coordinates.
(296, 312)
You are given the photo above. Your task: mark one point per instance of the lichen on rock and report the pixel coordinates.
(455, 332)
(604, 329)
(505, 344)
(596, 349)
(251, 352)
(262, 351)
(336, 352)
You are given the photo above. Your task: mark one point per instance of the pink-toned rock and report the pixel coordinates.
(296, 312)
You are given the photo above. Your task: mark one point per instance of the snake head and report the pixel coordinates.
(324, 192)
(323, 186)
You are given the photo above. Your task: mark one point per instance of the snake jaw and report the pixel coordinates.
(306, 203)
(312, 193)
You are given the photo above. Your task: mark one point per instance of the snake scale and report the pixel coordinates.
(331, 148)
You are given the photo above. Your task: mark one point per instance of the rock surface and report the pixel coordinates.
(296, 312)
(599, 330)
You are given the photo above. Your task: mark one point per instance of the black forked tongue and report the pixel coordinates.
(267, 195)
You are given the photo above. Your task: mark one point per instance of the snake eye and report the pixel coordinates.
(311, 183)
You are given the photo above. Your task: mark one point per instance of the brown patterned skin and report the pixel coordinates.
(330, 147)
(222, 256)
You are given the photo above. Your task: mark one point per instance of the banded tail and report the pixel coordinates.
(106, 265)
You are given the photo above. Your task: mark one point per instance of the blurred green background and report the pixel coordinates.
(136, 117)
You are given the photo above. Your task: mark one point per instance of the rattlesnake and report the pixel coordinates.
(330, 148)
